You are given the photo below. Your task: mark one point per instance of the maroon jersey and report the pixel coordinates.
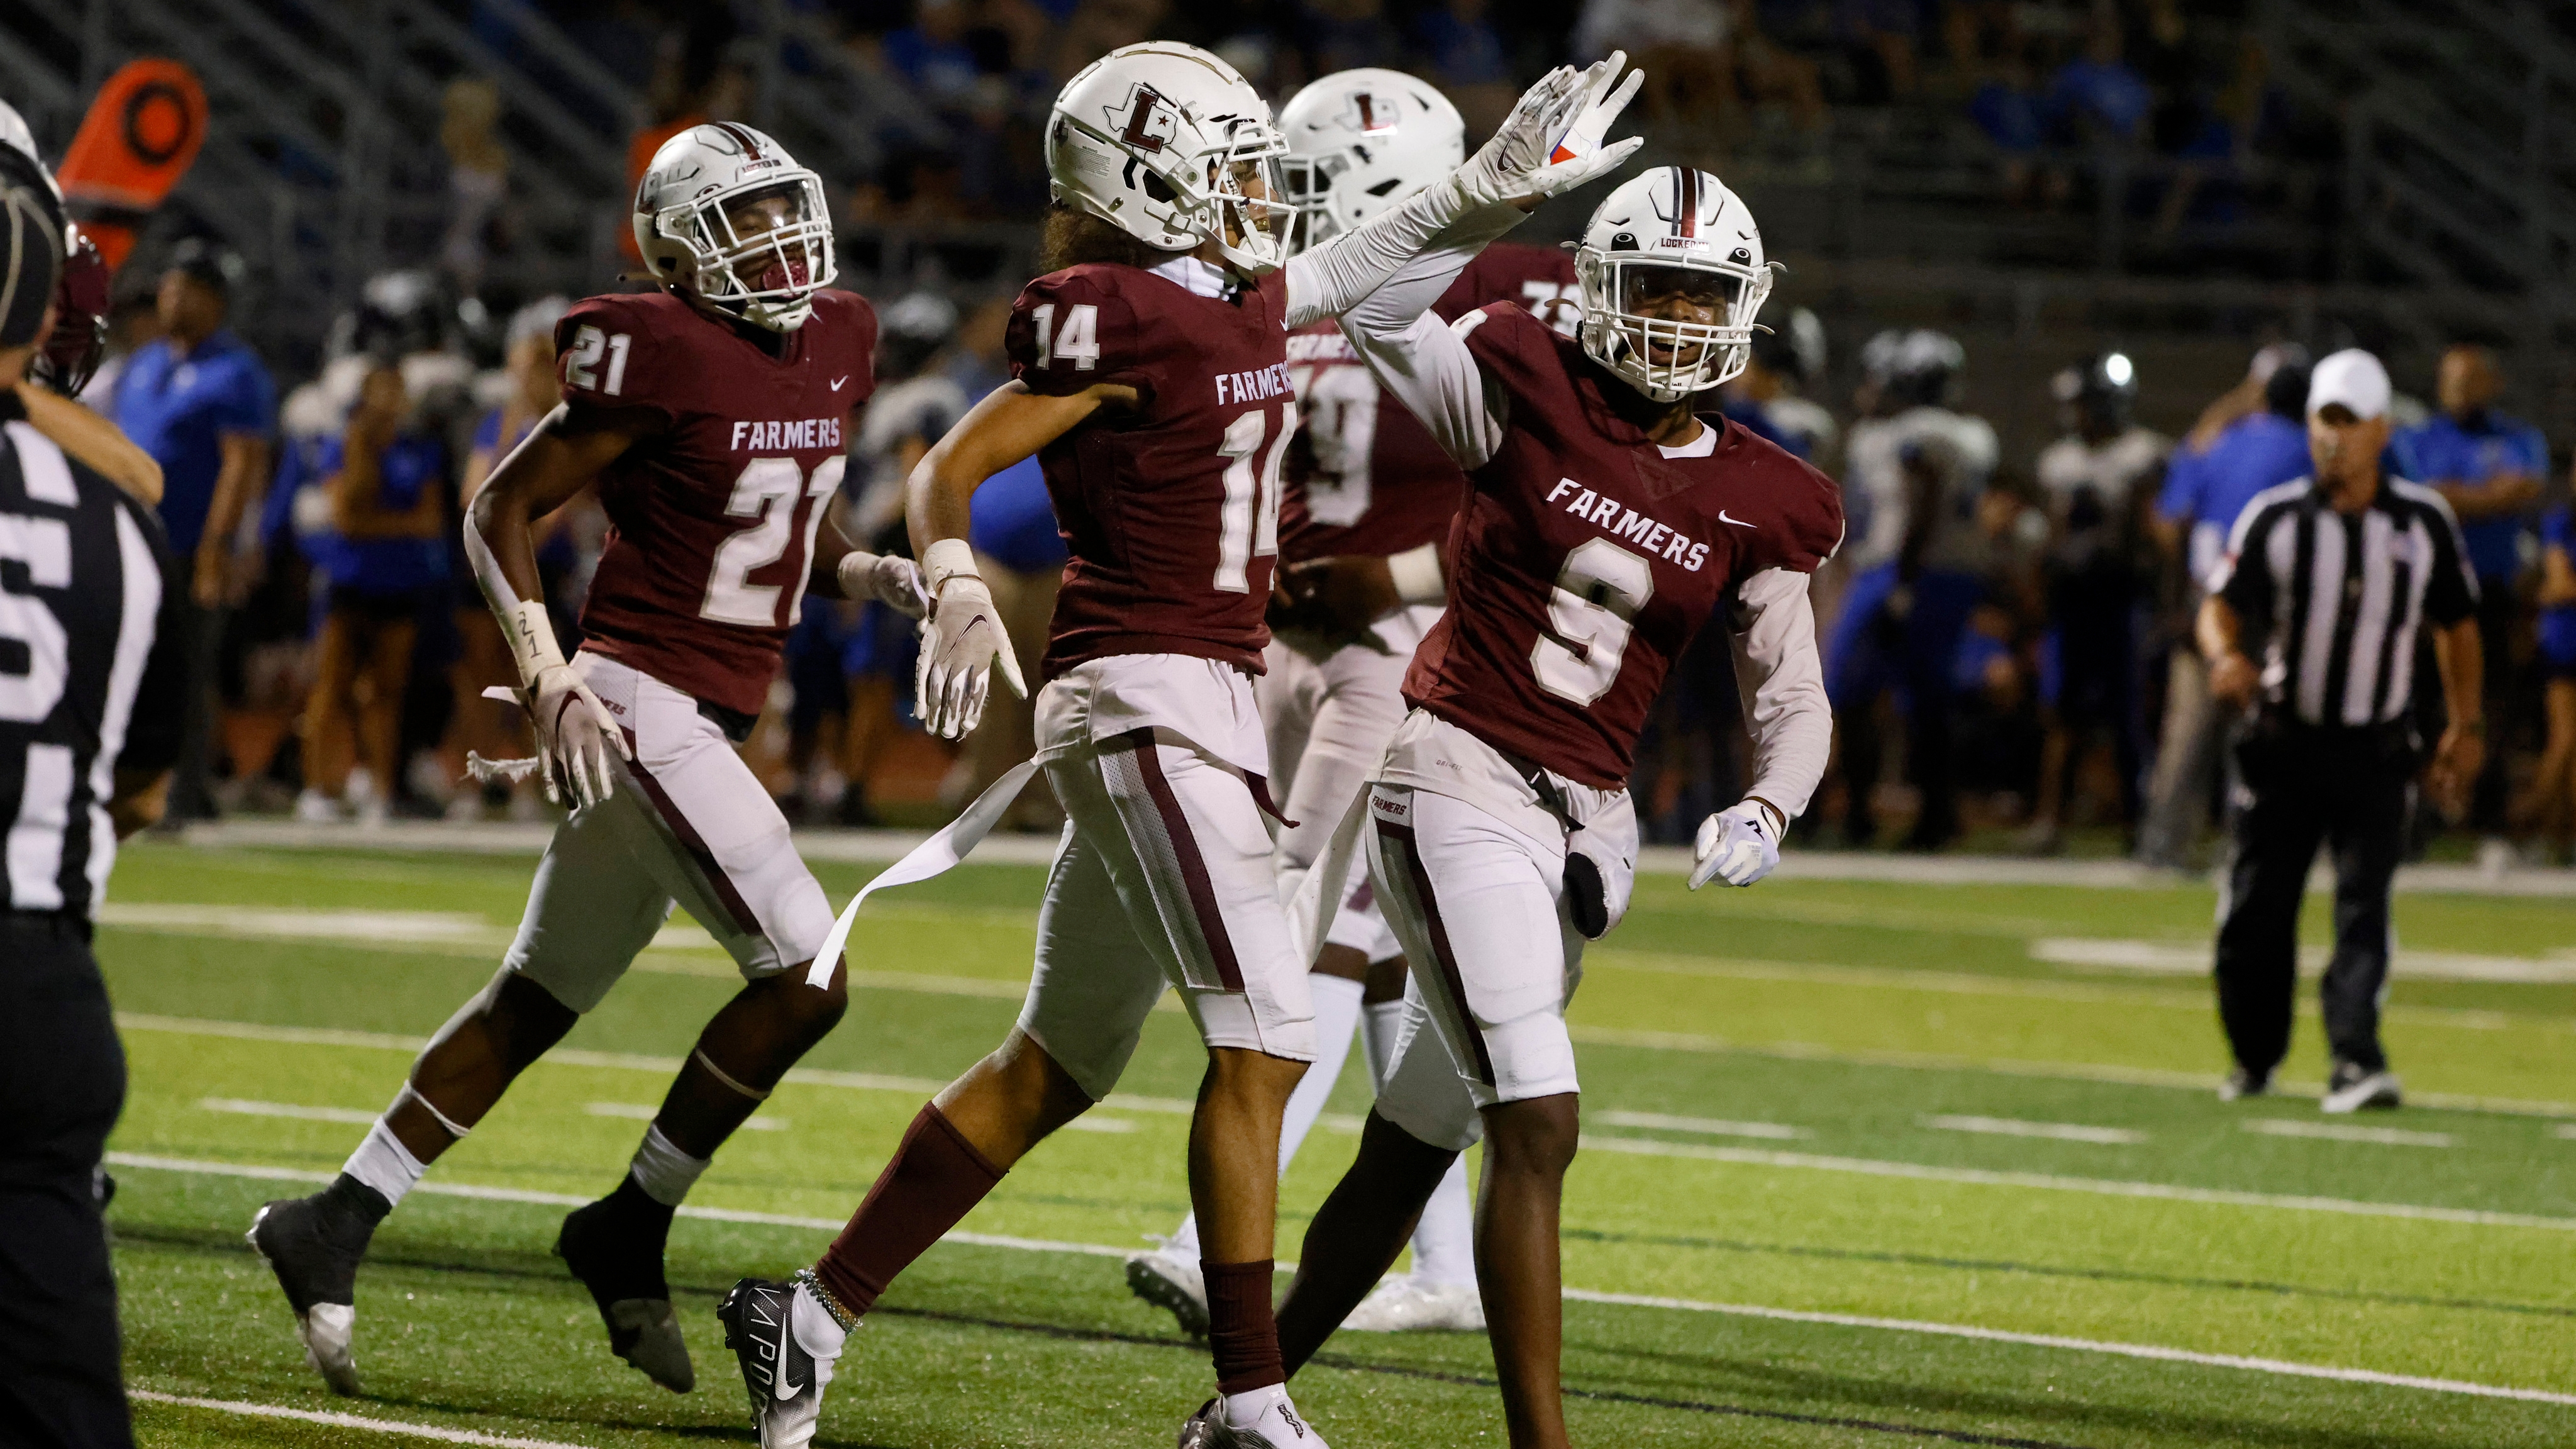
(713, 515)
(1585, 559)
(1169, 510)
(1363, 476)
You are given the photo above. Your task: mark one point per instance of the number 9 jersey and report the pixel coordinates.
(713, 511)
(1587, 556)
(1169, 509)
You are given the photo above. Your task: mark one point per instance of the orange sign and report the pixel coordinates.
(140, 137)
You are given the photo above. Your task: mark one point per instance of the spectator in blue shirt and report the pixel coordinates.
(2205, 489)
(2488, 466)
(201, 403)
(2553, 789)
(386, 564)
(2096, 93)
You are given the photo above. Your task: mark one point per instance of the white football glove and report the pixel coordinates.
(963, 645)
(1551, 142)
(575, 735)
(887, 578)
(1739, 845)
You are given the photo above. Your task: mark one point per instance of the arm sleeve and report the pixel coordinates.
(1431, 229)
(1771, 629)
(2451, 590)
(1428, 368)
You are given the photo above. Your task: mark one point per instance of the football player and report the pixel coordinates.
(1151, 382)
(711, 416)
(1366, 499)
(1610, 518)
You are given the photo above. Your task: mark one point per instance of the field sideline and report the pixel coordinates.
(1866, 1162)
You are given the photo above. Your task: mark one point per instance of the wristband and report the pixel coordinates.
(1416, 575)
(949, 558)
(532, 639)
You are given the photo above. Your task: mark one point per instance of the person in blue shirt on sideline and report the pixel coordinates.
(2488, 467)
(202, 404)
(2553, 806)
(2205, 489)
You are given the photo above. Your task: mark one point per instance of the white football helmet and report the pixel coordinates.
(1171, 146)
(686, 211)
(1643, 243)
(1360, 141)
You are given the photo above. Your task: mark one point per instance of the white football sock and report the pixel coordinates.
(1379, 1027)
(1444, 1241)
(1337, 1010)
(664, 1172)
(383, 1163)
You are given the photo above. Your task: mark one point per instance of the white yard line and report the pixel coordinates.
(1710, 1126)
(1682, 1041)
(146, 1162)
(355, 1116)
(1605, 1036)
(2181, 958)
(887, 846)
(2082, 1345)
(2336, 1132)
(2107, 1187)
(1579, 1295)
(577, 1057)
(2056, 1131)
(350, 1421)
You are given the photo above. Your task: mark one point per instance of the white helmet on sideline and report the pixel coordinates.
(1360, 141)
(1173, 147)
(1646, 240)
(692, 223)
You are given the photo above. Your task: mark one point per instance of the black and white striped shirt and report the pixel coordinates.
(91, 671)
(2330, 602)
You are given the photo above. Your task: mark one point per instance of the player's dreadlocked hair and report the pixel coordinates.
(1074, 238)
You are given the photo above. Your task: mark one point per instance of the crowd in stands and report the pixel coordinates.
(2008, 639)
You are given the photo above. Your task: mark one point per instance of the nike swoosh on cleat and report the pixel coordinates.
(1738, 522)
(836, 382)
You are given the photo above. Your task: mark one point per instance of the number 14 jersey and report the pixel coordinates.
(1586, 558)
(1169, 509)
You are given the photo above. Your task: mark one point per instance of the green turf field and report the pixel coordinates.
(1863, 1166)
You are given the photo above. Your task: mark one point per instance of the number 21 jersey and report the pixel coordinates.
(713, 514)
(1586, 558)
(1169, 509)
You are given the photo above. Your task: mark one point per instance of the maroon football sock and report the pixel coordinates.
(935, 1179)
(1242, 1336)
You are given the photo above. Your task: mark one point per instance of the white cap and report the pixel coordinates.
(2353, 378)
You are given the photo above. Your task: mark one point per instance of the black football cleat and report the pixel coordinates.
(314, 1245)
(614, 1246)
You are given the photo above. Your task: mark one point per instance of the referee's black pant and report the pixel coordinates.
(2348, 789)
(62, 1082)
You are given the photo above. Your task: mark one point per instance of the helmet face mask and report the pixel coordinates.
(1168, 144)
(751, 236)
(1672, 274)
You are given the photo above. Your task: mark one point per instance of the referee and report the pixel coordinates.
(90, 700)
(2326, 581)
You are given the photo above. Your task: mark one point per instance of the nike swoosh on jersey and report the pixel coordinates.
(1738, 522)
(836, 382)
